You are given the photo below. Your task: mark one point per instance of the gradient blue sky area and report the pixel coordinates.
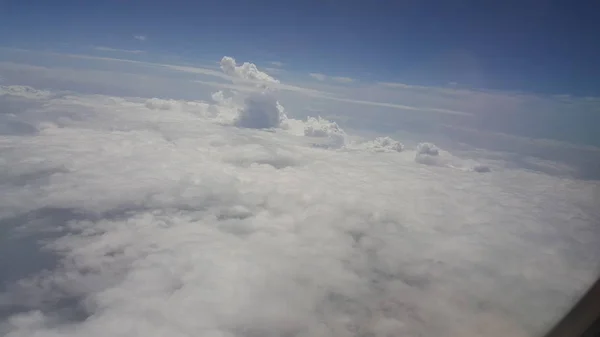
(534, 46)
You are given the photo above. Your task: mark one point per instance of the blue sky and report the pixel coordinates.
(533, 46)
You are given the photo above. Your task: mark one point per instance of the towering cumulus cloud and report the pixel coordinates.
(261, 109)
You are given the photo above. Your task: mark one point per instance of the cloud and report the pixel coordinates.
(323, 128)
(277, 64)
(109, 49)
(140, 37)
(342, 79)
(381, 144)
(155, 219)
(481, 168)
(428, 154)
(317, 76)
(246, 71)
(261, 110)
(24, 91)
(428, 149)
(323, 77)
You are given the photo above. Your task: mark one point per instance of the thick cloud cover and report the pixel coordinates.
(155, 218)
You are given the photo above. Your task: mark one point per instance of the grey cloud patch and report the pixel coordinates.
(428, 154)
(260, 111)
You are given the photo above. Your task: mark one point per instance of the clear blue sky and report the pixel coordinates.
(535, 46)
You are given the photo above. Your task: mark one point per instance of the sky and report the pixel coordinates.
(307, 169)
(533, 46)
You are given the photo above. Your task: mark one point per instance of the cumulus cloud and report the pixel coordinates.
(24, 91)
(154, 220)
(246, 71)
(261, 110)
(323, 128)
(428, 149)
(428, 154)
(140, 37)
(382, 144)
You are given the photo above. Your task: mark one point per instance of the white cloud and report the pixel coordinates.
(167, 222)
(109, 49)
(342, 79)
(323, 128)
(246, 71)
(381, 144)
(277, 64)
(339, 79)
(318, 76)
(428, 149)
(140, 37)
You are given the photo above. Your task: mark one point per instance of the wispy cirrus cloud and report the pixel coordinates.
(338, 79)
(318, 76)
(342, 79)
(118, 50)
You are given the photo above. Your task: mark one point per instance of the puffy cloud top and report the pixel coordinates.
(428, 149)
(321, 127)
(246, 71)
(385, 144)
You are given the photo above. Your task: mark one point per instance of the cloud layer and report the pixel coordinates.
(172, 217)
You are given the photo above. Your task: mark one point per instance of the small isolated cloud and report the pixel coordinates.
(246, 71)
(116, 50)
(342, 79)
(140, 37)
(317, 76)
(277, 64)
